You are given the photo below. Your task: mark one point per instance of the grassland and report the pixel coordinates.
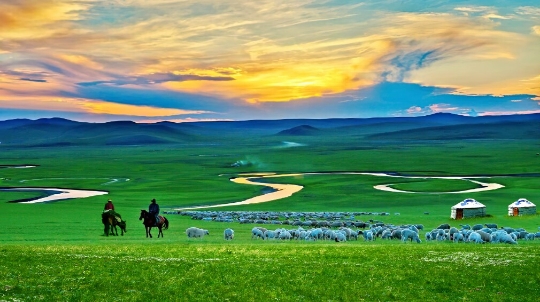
(56, 251)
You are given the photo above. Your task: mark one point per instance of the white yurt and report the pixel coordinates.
(521, 207)
(468, 208)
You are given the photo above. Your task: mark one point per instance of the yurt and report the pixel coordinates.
(468, 208)
(521, 207)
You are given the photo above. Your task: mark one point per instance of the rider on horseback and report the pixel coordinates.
(154, 209)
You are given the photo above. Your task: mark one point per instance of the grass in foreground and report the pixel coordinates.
(261, 272)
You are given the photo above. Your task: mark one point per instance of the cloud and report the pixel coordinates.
(156, 78)
(31, 19)
(528, 10)
(89, 106)
(33, 80)
(536, 30)
(224, 58)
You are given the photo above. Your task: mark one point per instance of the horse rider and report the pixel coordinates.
(109, 205)
(154, 209)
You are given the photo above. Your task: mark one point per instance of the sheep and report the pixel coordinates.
(285, 235)
(441, 235)
(347, 232)
(475, 237)
(269, 235)
(419, 226)
(228, 234)
(386, 234)
(316, 234)
(340, 237)
(487, 230)
(257, 233)
(194, 232)
(465, 226)
(530, 236)
(396, 234)
(458, 237)
(409, 234)
(495, 236)
(508, 229)
(491, 225)
(368, 236)
(507, 238)
(451, 233)
(486, 237)
(414, 229)
(513, 236)
(330, 235)
(444, 226)
(477, 227)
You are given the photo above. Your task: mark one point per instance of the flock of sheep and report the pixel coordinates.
(341, 231)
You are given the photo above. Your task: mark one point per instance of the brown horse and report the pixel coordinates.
(111, 221)
(149, 222)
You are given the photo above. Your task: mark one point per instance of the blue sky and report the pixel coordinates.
(150, 61)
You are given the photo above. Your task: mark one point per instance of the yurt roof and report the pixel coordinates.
(522, 203)
(468, 203)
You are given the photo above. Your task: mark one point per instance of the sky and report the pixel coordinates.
(207, 60)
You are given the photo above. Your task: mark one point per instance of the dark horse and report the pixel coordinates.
(111, 220)
(149, 222)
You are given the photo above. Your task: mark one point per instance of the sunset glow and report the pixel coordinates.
(210, 60)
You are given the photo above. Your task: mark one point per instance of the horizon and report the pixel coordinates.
(176, 61)
(253, 120)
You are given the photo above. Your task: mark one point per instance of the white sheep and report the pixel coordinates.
(228, 234)
(340, 237)
(269, 235)
(530, 236)
(475, 237)
(458, 237)
(386, 234)
(368, 236)
(257, 233)
(414, 228)
(409, 234)
(194, 232)
(285, 235)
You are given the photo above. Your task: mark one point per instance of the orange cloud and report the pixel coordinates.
(51, 103)
(32, 19)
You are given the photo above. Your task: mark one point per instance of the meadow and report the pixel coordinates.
(56, 251)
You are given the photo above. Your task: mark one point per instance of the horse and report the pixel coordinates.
(111, 220)
(148, 221)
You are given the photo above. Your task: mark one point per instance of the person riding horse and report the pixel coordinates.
(153, 209)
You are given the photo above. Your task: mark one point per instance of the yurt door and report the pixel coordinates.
(516, 211)
(459, 213)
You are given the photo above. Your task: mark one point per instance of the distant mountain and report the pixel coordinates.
(495, 130)
(301, 130)
(58, 132)
(441, 126)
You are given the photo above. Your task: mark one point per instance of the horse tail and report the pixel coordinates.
(166, 223)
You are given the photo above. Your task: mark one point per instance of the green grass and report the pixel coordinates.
(56, 251)
(265, 271)
(435, 185)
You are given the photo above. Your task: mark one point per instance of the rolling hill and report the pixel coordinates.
(440, 126)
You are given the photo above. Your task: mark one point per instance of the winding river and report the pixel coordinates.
(286, 190)
(53, 194)
(280, 191)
